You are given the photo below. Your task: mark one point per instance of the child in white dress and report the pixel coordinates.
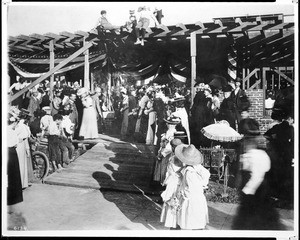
(193, 210)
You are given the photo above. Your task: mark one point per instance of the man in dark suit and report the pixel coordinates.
(240, 100)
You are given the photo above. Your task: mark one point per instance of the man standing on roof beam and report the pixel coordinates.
(143, 23)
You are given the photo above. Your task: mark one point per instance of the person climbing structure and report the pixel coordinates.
(143, 23)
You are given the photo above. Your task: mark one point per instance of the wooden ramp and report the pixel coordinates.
(110, 164)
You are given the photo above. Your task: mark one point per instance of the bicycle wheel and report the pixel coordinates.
(40, 165)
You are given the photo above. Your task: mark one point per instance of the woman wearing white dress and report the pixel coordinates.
(193, 210)
(88, 128)
(151, 121)
(23, 151)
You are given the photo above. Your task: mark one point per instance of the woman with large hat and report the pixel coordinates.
(14, 184)
(193, 210)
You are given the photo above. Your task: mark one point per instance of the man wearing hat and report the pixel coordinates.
(105, 24)
(240, 100)
(193, 210)
(46, 121)
(181, 113)
(34, 103)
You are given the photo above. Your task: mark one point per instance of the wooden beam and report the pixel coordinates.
(193, 47)
(284, 76)
(46, 75)
(264, 85)
(51, 51)
(86, 68)
(255, 85)
(249, 75)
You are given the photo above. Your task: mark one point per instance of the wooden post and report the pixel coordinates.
(51, 50)
(264, 83)
(193, 44)
(108, 87)
(46, 75)
(86, 67)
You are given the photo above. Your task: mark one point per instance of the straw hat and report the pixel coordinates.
(14, 112)
(82, 91)
(188, 154)
(175, 142)
(207, 87)
(47, 109)
(172, 120)
(98, 90)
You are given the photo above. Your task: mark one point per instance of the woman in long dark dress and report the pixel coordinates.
(14, 184)
(202, 116)
(256, 211)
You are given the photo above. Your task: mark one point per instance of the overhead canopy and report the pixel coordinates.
(261, 41)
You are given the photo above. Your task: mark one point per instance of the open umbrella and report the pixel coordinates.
(217, 81)
(222, 132)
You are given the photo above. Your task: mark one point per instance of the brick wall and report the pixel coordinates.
(256, 110)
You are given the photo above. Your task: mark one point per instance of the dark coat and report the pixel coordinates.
(201, 116)
(280, 149)
(226, 112)
(240, 100)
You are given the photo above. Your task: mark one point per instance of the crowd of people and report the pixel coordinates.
(159, 115)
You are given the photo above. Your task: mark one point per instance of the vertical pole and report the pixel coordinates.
(108, 87)
(264, 83)
(51, 50)
(279, 79)
(86, 67)
(92, 82)
(193, 43)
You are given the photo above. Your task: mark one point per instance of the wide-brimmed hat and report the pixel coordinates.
(180, 134)
(227, 88)
(98, 90)
(82, 91)
(207, 87)
(175, 142)
(14, 112)
(46, 108)
(123, 90)
(250, 127)
(172, 120)
(189, 154)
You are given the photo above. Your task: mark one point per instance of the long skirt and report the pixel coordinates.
(160, 169)
(124, 125)
(89, 128)
(151, 128)
(14, 184)
(22, 152)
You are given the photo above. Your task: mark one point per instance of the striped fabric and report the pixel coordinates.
(232, 63)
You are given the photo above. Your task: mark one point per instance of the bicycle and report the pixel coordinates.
(40, 161)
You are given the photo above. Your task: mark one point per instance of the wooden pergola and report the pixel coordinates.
(256, 44)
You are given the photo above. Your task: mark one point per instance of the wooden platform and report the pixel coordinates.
(110, 164)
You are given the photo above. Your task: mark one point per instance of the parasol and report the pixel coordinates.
(222, 132)
(217, 81)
